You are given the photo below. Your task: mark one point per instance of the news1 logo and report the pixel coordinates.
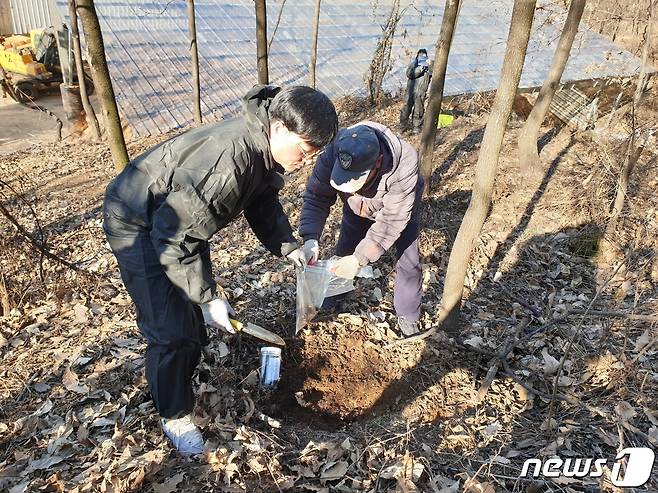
(639, 463)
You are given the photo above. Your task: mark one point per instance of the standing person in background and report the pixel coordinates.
(418, 75)
(162, 209)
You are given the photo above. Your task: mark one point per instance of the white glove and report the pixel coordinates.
(311, 251)
(297, 257)
(305, 254)
(346, 267)
(216, 314)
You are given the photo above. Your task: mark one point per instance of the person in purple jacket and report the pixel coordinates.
(375, 173)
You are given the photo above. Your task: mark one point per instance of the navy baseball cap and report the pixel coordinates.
(358, 150)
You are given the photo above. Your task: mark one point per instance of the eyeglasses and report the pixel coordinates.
(308, 156)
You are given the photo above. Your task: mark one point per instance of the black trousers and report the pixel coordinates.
(414, 107)
(172, 325)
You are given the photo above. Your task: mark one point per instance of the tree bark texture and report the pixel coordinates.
(102, 81)
(92, 121)
(314, 45)
(196, 85)
(485, 172)
(528, 153)
(261, 41)
(436, 89)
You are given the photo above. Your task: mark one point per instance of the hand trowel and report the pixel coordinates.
(258, 332)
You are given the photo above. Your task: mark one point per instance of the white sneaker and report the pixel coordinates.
(184, 435)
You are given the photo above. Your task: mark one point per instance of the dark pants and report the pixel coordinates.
(408, 276)
(414, 108)
(172, 325)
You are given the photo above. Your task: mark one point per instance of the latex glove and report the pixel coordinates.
(311, 251)
(216, 314)
(308, 253)
(346, 267)
(297, 257)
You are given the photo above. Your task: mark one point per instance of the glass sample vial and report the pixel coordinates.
(270, 366)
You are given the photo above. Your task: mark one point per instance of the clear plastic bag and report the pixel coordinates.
(315, 283)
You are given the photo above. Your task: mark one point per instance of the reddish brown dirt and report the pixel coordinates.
(337, 373)
(342, 375)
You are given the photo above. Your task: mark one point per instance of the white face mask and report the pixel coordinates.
(422, 59)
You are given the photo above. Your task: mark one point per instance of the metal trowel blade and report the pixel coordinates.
(257, 331)
(263, 334)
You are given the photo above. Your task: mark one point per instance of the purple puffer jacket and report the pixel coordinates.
(391, 206)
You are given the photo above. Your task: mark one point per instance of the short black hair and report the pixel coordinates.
(307, 112)
(422, 50)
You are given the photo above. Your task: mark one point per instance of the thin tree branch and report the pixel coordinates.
(276, 26)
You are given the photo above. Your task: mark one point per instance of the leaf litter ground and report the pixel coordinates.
(354, 411)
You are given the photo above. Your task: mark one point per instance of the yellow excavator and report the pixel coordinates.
(30, 65)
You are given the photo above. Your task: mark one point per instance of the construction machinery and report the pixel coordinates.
(31, 65)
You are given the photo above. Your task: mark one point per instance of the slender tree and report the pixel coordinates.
(92, 121)
(528, 153)
(102, 81)
(436, 89)
(196, 86)
(485, 171)
(314, 45)
(636, 144)
(381, 59)
(261, 41)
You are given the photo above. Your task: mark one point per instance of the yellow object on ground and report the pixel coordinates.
(445, 120)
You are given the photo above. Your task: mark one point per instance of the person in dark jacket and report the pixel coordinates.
(418, 75)
(163, 208)
(375, 174)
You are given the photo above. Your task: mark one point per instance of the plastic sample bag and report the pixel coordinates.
(315, 283)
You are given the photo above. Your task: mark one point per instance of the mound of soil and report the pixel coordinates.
(337, 373)
(342, 374)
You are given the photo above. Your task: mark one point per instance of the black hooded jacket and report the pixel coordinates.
(184, 190)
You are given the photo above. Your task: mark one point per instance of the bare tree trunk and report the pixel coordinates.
(436, 89)
(92, 121)
(314, 45)
(635, 146)
(101, 74)
(528, 153)
(196, 86)
(261, 41)
(485, 172)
